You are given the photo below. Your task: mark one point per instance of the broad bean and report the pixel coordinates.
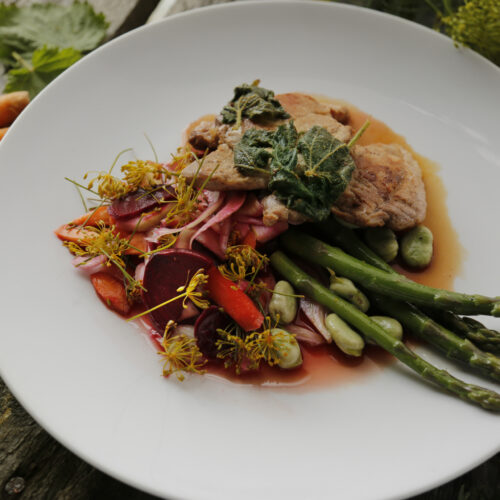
(290, 355)
(383, 242)
(392, 326)
(346, 339)
(416, 247)
(346, 289)
(283, 305)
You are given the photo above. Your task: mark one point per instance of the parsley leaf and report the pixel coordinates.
(307, 172)
(253, 102)
(25, 29)
(46, 63)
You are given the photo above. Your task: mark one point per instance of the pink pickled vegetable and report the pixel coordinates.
(139, 271)
(268, 233)
(215, 201)
(184, 238)
(189, 312)
(305, 335)
(316, 314)
(234, 201)
(143, 223)
(225, 231)
(249, 220)
(241, 229)
(210, 239)
(90, 266)
(252, 207)
(187, 330)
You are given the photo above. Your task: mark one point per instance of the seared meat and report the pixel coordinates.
(205, 135)
(224, 175)
(386, 189)
(211, 134)
(340, 113)
(275, 211)
(307, 112)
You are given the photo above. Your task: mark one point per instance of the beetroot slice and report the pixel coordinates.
(139, 201)
(205, 330)
(164, 274)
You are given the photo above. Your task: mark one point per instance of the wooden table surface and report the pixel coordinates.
(35, 466)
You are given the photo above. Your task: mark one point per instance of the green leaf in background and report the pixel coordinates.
(472, 23)
(46, 63)
(476, 24)
(25, 29)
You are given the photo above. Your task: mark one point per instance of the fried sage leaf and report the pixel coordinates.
(253, 152)
(307, 172)
(253, 102)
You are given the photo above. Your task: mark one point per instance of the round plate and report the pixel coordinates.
(94, 382)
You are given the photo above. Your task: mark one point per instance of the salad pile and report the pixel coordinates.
(218, 284)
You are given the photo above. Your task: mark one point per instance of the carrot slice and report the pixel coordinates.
(138, 241)
(3, 131)
(250, 239)
(74, 234)
(69, 233)
(92, 218)
(111, 291)
(234, 301)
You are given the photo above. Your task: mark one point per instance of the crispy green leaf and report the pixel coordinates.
(46, 63)
(326, 157)
(253, 102)
(252, 154)
(25, 29)
(324, 170)
(307, 173)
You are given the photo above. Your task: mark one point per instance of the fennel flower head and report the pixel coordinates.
(476, 24)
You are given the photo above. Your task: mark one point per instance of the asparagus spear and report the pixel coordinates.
(384, 283)
(452, 345)
(348, 240)
(476, 332)
(302, 281)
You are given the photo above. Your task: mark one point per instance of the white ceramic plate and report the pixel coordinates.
(94, 383)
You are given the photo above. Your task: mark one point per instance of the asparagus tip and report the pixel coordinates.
(495, 311)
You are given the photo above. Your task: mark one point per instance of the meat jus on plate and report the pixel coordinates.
(203, 252)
